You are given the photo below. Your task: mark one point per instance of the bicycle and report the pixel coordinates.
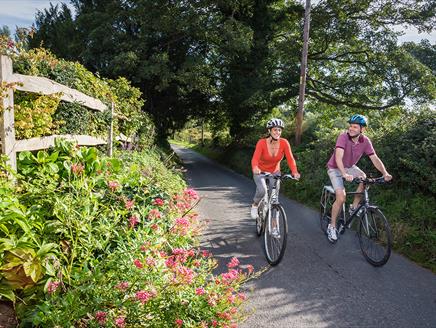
(272, 221)
(374, 232)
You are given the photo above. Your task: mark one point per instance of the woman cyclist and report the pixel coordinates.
(267, 157)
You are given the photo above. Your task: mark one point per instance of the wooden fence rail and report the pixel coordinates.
(9, 145)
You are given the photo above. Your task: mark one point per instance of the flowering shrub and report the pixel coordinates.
(121, 245)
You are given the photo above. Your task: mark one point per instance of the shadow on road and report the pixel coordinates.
(317, 284)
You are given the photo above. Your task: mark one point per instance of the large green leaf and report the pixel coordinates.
(7, 293)
(45, 248)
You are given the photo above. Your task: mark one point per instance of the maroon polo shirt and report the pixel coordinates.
(352, 151)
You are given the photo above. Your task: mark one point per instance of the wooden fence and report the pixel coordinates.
(9, 145)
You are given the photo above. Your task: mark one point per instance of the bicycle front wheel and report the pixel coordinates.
(260, 217)
(326, 202)
(375, 237)
(275, 235)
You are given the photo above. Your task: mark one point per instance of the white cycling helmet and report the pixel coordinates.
(275, 122)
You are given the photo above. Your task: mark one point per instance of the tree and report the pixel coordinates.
(240, 58)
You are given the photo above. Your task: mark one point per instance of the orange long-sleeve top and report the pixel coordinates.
(267, 163)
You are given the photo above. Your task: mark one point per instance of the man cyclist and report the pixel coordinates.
(350, 146)
(267, 156)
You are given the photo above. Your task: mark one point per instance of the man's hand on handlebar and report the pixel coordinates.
(348, 177)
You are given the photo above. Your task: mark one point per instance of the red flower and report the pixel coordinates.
(129, 204)
(154, 214)
(100, 316)
(179, 322)
(133, 221)
(233, 263)
(77, 168)
(52, 286)
(144, 296)
(158, 202)
(122, 286)
(120, 322)
(200, 291)
(138, 264)
(113, 185)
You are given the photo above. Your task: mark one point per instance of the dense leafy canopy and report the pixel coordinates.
(236, 60)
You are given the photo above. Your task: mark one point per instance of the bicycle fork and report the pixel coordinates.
(273, 200)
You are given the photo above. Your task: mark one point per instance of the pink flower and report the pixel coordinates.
(100, 316)
(150, 261)
(200, 291)
(242, 296)
(186, 274)
(214, 323)
(129, 204)
(52, 286)
(138, 264)
(154, 214)
(77, 168)
(144, 296)
(120, 322)
(205, 253)
(250, 268)
(233, 263)
(179, 322)
(196, 263)
(191, 193)
(224, 315)
(122, 285)
(133, 221)
(158, 202)
(182, 221)
(229, 276)
(154, 226)
(169, 263)
(178, 251)
(113, 185)
(231, 299)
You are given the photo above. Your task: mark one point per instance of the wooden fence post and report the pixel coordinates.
(7, 125)
(111, 132)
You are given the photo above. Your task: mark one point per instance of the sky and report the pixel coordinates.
(21, 13)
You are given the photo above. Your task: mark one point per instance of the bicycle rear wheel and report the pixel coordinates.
(275, 235)
(375, 237)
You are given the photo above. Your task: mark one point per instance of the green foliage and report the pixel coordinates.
(38, 115)
(76, 223)
(34, 115)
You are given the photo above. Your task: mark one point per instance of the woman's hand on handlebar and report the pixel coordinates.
(256, 171)
(296, 176)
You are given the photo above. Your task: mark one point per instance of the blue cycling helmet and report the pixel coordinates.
(358, 119)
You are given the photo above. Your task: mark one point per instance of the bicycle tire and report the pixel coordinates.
(325, 209)
(275, 247)
(375, 238)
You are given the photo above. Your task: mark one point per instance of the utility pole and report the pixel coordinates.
(300, 111)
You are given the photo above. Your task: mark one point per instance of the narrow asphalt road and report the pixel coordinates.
(317, 284)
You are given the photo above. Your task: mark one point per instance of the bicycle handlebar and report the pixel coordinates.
(278, 176)
(379, 180)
